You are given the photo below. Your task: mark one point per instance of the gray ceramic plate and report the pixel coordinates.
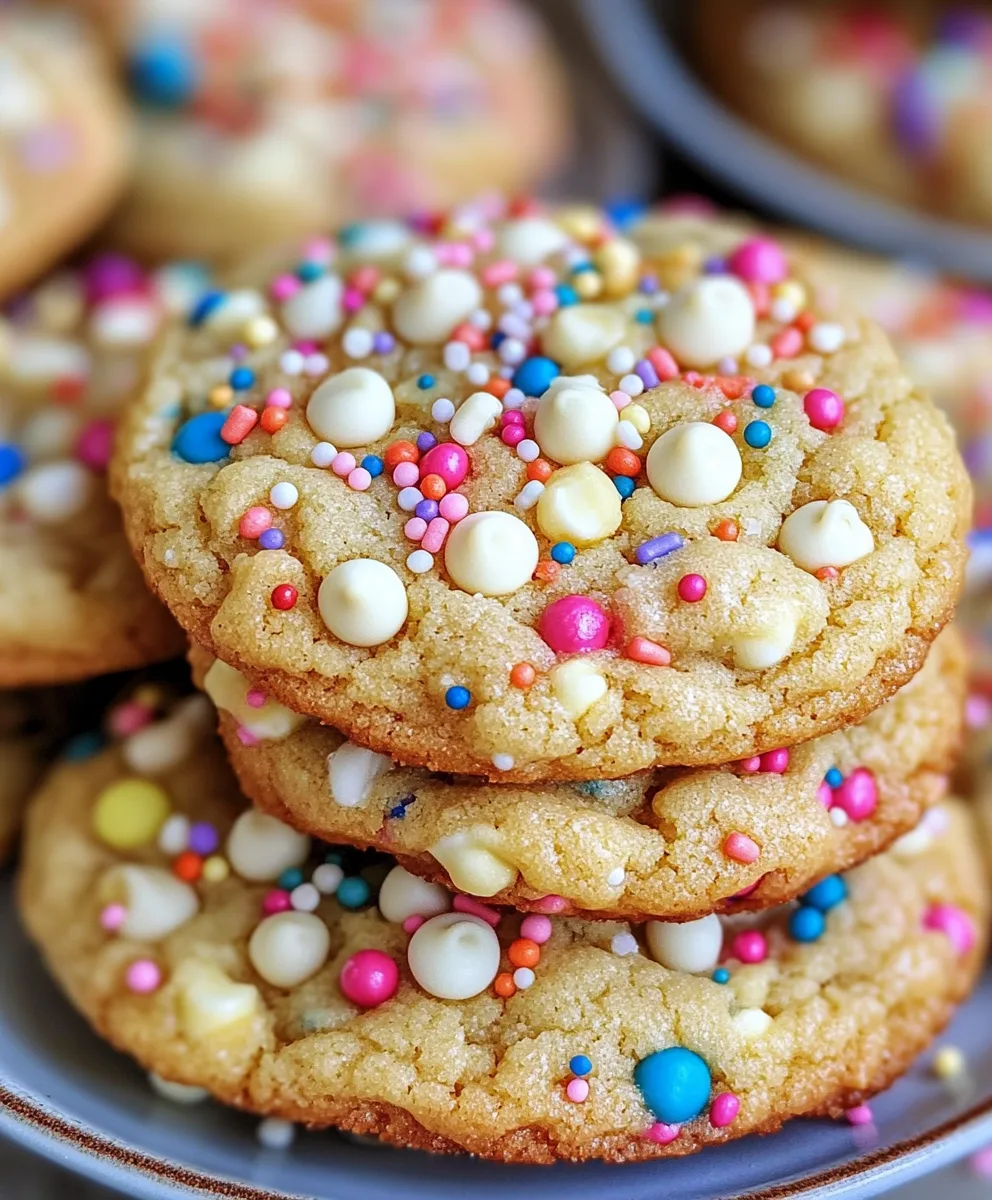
(66, 1095)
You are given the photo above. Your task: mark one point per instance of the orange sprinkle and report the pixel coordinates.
(433, 487)
(523, 675)
(762, 297)
(273, 418)
(787, 342)
(643, 650)
(726, 420)
(471, 335)
(732, 386)
(504, 986)
(805, 321)
(497, 386)
(187, 866)
(397, 452)
(524, 953)
(727, 530)
(547, 569)
(827, 574)
(540, 469)
(621, 461)
(365, 278)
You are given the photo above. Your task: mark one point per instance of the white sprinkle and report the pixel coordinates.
(291, 362)
(408, 498)
(323, 454)
(826, 337)
(173, 837)
(512, 350)
(620, 360)
(758, 355)
(419, 262)
(315, 365)
(528, 495)
(304, 898)
(616, 877)
(784, 310)
(633, 385)
(477, 373)
(284, 495)
(513, 398)
(528, 450)
(510, 294)
(442, 411)
(524, 310)
(326, 878)
(420, 561)
(481, 319)
(170, 558)
(457, 356)
(624, 944)
(727, 366)
(503, 762)
(275, 1134)
(838, 816)
(523, 977)
(628, 436)
(357, 342)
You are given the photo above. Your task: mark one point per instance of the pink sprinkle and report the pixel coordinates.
(574, 625)
(484, 239)
(759, 260)
(577, 1091)
(787, 343)
(857, 795)
(94, 444)
(437, 531)
(468, 904)
(143, 976)
(453, 507)
(306, 347)
(513, 435)
(113, 917)
(954, 922)
(276, 901)
(255, 698)
(359, 479)
(749, 946)
(825, 794)
(456, 254)
(536, 927)
(542, 277)
(741, 848)
(255, 522)
(365, 278)
(775, 762)
(860, 1115)
(415, 528)
(550, 904)
(544, 302)
(977, 711)
(318, 249)
(620, 400)
(692, 588)
(504, 271)
(406, 474)
(750, 766)
(643, 650)
(661, 1134)
(369, 978)
(241, 420)
(512, 416)
(412, 924)
(724, 1110)
(449, 460)
(128, 718)
(279, 398)
(246, 737)
(663, 362)
(981, 1163)
(352, 300)
(343, 463)
(824, 408)
(284, 286)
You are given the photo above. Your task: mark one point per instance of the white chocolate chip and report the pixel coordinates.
(579, 504)
(693, 464)
(751, 1023)
(454, 956)
(210, 1000)
(289, 948)
(275, 1134)
(315, 310)
(476, 416)
(363, 602)
(55, 492)
(577, 685)
(430, 310)
(575, 421)
(260, 848)
(825, 533)
(756, 652)
(691, 946)
(583, 333)
(474, 868)
(156, 902)
(234, 310)
(353, 408)
(708, 319)
(229, 690)
(530, 240)
(494, 553)
(39, 361)
(827, 337)
(50, 433)
(378, 239)
(165, 744)
(352, 770)
(124, 322)
(404, 895)
(177, 1093)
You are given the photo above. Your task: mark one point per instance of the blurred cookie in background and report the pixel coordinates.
(259, 121)
(63, 139)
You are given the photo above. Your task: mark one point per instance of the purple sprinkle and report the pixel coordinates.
(427, 510)
(715, 266)
(915, 118)
(649, 376)
(203, 838)
(659, 547)
(649, 284)
(110, 275)
(383, 342)
(272, 539)
(425, 442)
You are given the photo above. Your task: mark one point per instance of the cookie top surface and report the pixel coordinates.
(72, 601)
(638, 563)
(664, 843)
(166, 916)
(63, 140)
(258, 121)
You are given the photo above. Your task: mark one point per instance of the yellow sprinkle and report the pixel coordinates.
(386, 290)
(638, 417)
(792, 291)
(222, 395)
(948, 1063)
(581, 222)
(216, 869)
(588, 284)
(130, 813)
(260, 331)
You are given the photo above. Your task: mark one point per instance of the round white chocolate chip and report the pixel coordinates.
(691, 946)
(404, 895)
(260, 848)
(289, 948)
(156, 902)
(577, 685)
(351, 772)
(353, 408)
(758, 651)
(55, 492)
(476, 416)
(825, 533)
(579, 504)
(693, 464)
(454, 956)
(751, 1023)
(583, 333)
(315, 310)
(473, 866)
(428, 311)
(575, 420)
(530, 240)
(229, 689)
(493, 553)
(363, 602)
(708, 319)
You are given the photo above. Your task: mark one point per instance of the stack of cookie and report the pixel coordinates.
(572, 593)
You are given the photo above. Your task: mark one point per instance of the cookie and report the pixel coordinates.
(894, 98)
(259, 121)
(478, 499)
(26, 736)
(663, 843)
(164, 910)
(72, 602)
(63, 140)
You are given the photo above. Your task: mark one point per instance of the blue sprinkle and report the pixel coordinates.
(458, 697)
(307, 272)
(290, 878)
(826, 894)
(675, 1083)
(580, 1064)
(763, 395)
(373, 464)
(353, 892)
(644, 316)
(198, 440)
(567, 296)
(658, 547)
(563, 552)
(208, 303)
(12, 462)
(241, 378)
(624, 211)
(163, 73)
(807, 924)
(84, 745)
(398, 811)
(721, 975)
(758, 434)
(535, 375)
(333, 857)
(582, 267)
(272, 539)
(834, 778)
(624, 485)
(597, 788)
(497, 339)
(425, 382)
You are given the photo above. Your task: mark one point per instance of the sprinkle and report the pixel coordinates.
(241, 378)
(343, 463)
(273, 419)
(523, 977)
(563, 552)
(720, 975)
(661, 1134)
(833, 777)
(624, 485)
(643, 650)
(954, 923)
(323, 454)
(304, 897)
(425, 381)
(628, 436)
(503, 762)
(776, 762)
(724, 1110)
(787, 342)
(539, 469)
(824, 408)
(948, 1063)
(415, 528)
(757, 434)
(758, 355)
(692, 588)
(741, 848)
(453, 507)
(353, 892)
(580, 1064)
(749, 946)
(406, 474)
(408, 498)
(551, 904)
(442, 411)
(475, 908)
(357, 343)
(763, 395)
(528, 495)
(624, 944)
(727, 530)
(623, 461)
(827, 337)
(143, 976)
(254, 522)
(522, 675)
(426, 441)
(283, 495)
(726, 420)
(359, 479)
(528, 450)
(113, 917)
(503, 985)
(284, 597)
(807, 924)
(420, 562)
(458, 697)
(658, 547)
(241, 420)
(373, 464)
(577, 1090)
(538, 929)
(272, 539)
(861, 1115)
(401, 452)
